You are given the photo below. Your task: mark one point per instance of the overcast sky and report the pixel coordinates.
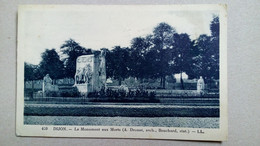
(97, 27)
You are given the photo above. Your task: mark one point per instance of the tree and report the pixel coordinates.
(117, 63)
(214, 51)
(205, 54)
(72, 50)
(137, 64)
(163, 36)
(194, 61)
(214, 27)
(209, 50)
(31, 73)
(152, 65)
(51, 64)
(205, 61)
(182, 54)
(109, 64)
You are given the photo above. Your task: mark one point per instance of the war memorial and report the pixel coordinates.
(90, 73)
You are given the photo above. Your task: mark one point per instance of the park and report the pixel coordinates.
(165, 75)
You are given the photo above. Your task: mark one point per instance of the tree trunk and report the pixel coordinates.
(163, 78)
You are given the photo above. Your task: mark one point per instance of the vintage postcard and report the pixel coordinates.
(122, 71)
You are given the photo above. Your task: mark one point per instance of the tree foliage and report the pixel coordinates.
(182, 54)
(72, 50)
(138, 63)
(162, 53)
(117, 63)
(51, 64)
(166, 52)
(205, 50)
(214, 27)
(30, 71)
(163, 35)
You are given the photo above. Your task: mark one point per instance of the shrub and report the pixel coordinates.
(93, 94)
(152, 94)
(52, 94)
(68, 93)
(121, 95)
(102, 92)
(131, 94)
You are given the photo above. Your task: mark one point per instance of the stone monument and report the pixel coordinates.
(200, 85)
(90, 72)
(47, 85)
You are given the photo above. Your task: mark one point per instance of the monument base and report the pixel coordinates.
(83, 88)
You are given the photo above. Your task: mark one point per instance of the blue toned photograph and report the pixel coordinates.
(122, 66)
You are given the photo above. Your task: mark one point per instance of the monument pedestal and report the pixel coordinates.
(84, 88)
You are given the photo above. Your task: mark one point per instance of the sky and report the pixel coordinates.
(98, 27)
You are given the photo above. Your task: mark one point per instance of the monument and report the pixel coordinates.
(200, 85)
(47, 85)
(91, 72)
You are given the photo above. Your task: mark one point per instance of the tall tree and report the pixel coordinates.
(204, 60)
(205, 54)
(109, 64)
(117, 63)
(51, 64)
(214, 51)
(163, 36)
(214, 27)
(29, 71)
(72, 50)
(137, 64)
(181, 50)
(193, 71)
(152, 65)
